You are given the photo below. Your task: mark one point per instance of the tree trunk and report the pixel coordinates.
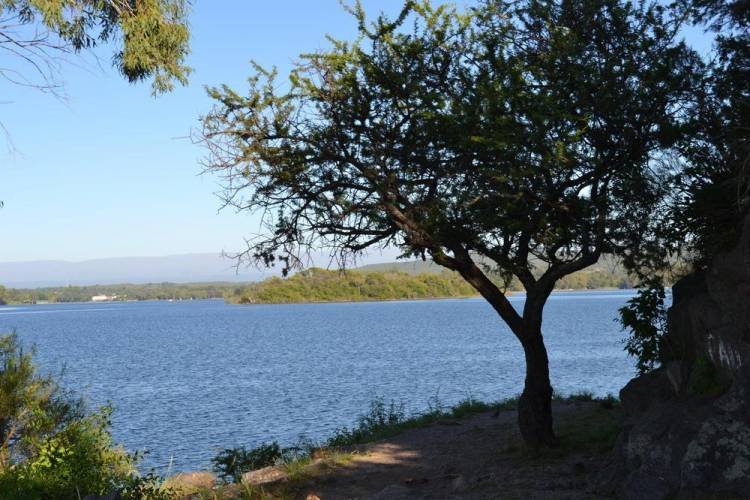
(535, 405)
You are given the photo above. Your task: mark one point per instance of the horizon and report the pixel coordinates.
(195, 267)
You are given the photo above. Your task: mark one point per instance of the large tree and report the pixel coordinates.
(520, 138)
(151, 38)
(714, 189)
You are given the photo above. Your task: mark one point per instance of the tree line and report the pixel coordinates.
(149, 291)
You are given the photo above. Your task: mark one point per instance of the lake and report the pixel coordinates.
(190, 378)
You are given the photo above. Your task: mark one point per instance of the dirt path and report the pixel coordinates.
(475, 457)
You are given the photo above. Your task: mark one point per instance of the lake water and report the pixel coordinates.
(190, 378)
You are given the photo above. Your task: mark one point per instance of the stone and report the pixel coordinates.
(687, 427)
(643, 392)
(189, 482)
(265, 475)
(393, 492)
(458, 484)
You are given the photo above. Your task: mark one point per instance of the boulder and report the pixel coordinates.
(687, 428)
(189, 482)
(265, 475)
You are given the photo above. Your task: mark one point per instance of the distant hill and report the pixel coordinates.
(172, 268)
(321, 285)
(209, 267)
(184, 268)
(607, 273)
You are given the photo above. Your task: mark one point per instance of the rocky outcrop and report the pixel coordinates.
(687, 429)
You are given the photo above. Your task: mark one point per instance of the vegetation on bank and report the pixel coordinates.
(320, 285)
(51, 446)
(395, 281)
(147, 291)
(592, 428)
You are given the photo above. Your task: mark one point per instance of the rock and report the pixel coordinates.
(393, 492)
(265, 475)
(687, 428)
(643, 392)
(188, 482)
(458, 484)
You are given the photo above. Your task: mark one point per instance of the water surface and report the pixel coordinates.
(190, 378)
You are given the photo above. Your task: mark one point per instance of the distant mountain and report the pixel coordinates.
(186, 268)
(172, 268)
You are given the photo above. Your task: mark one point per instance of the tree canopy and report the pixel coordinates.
(515, 131)
(151, 36)
(709, 195)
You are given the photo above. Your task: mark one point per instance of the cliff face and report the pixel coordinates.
(688, 424)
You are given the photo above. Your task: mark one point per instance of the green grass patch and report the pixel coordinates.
(387, 420)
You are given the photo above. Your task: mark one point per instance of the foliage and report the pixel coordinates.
(646, 318)
(716, 186)
(79, 459)
(153, 37)
(518, 132)
(320, 285)
(385, 420)
(710, 187)
(32, 407)
(146, 487)
(231, 463)
(147, 291)
(49, 446)
(503, 132)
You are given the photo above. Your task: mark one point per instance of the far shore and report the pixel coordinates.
(420, 299)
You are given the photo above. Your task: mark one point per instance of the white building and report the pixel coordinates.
(103, 298)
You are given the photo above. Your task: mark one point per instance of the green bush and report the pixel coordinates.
(50, 447)
(646, 318)
(231, 463)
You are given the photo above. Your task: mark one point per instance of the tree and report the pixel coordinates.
(710, 194)
(505, 134)
(714, 188)
(36, 35)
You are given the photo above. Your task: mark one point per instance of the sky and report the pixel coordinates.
(110, 170)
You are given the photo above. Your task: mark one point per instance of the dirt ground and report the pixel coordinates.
(476, 457)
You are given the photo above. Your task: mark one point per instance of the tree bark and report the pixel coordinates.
(535, 405)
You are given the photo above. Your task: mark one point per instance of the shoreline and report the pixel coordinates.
(456, 297)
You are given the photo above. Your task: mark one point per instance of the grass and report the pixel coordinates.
(387, 420)
(590, 429)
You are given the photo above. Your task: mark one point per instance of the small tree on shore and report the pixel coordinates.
(509, 136)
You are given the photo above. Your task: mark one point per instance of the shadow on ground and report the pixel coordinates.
(475, 457)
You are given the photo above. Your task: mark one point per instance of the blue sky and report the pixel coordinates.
(110, 171)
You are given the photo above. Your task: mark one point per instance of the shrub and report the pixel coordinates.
(646, 318)
(231, 463)
(50, 447)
